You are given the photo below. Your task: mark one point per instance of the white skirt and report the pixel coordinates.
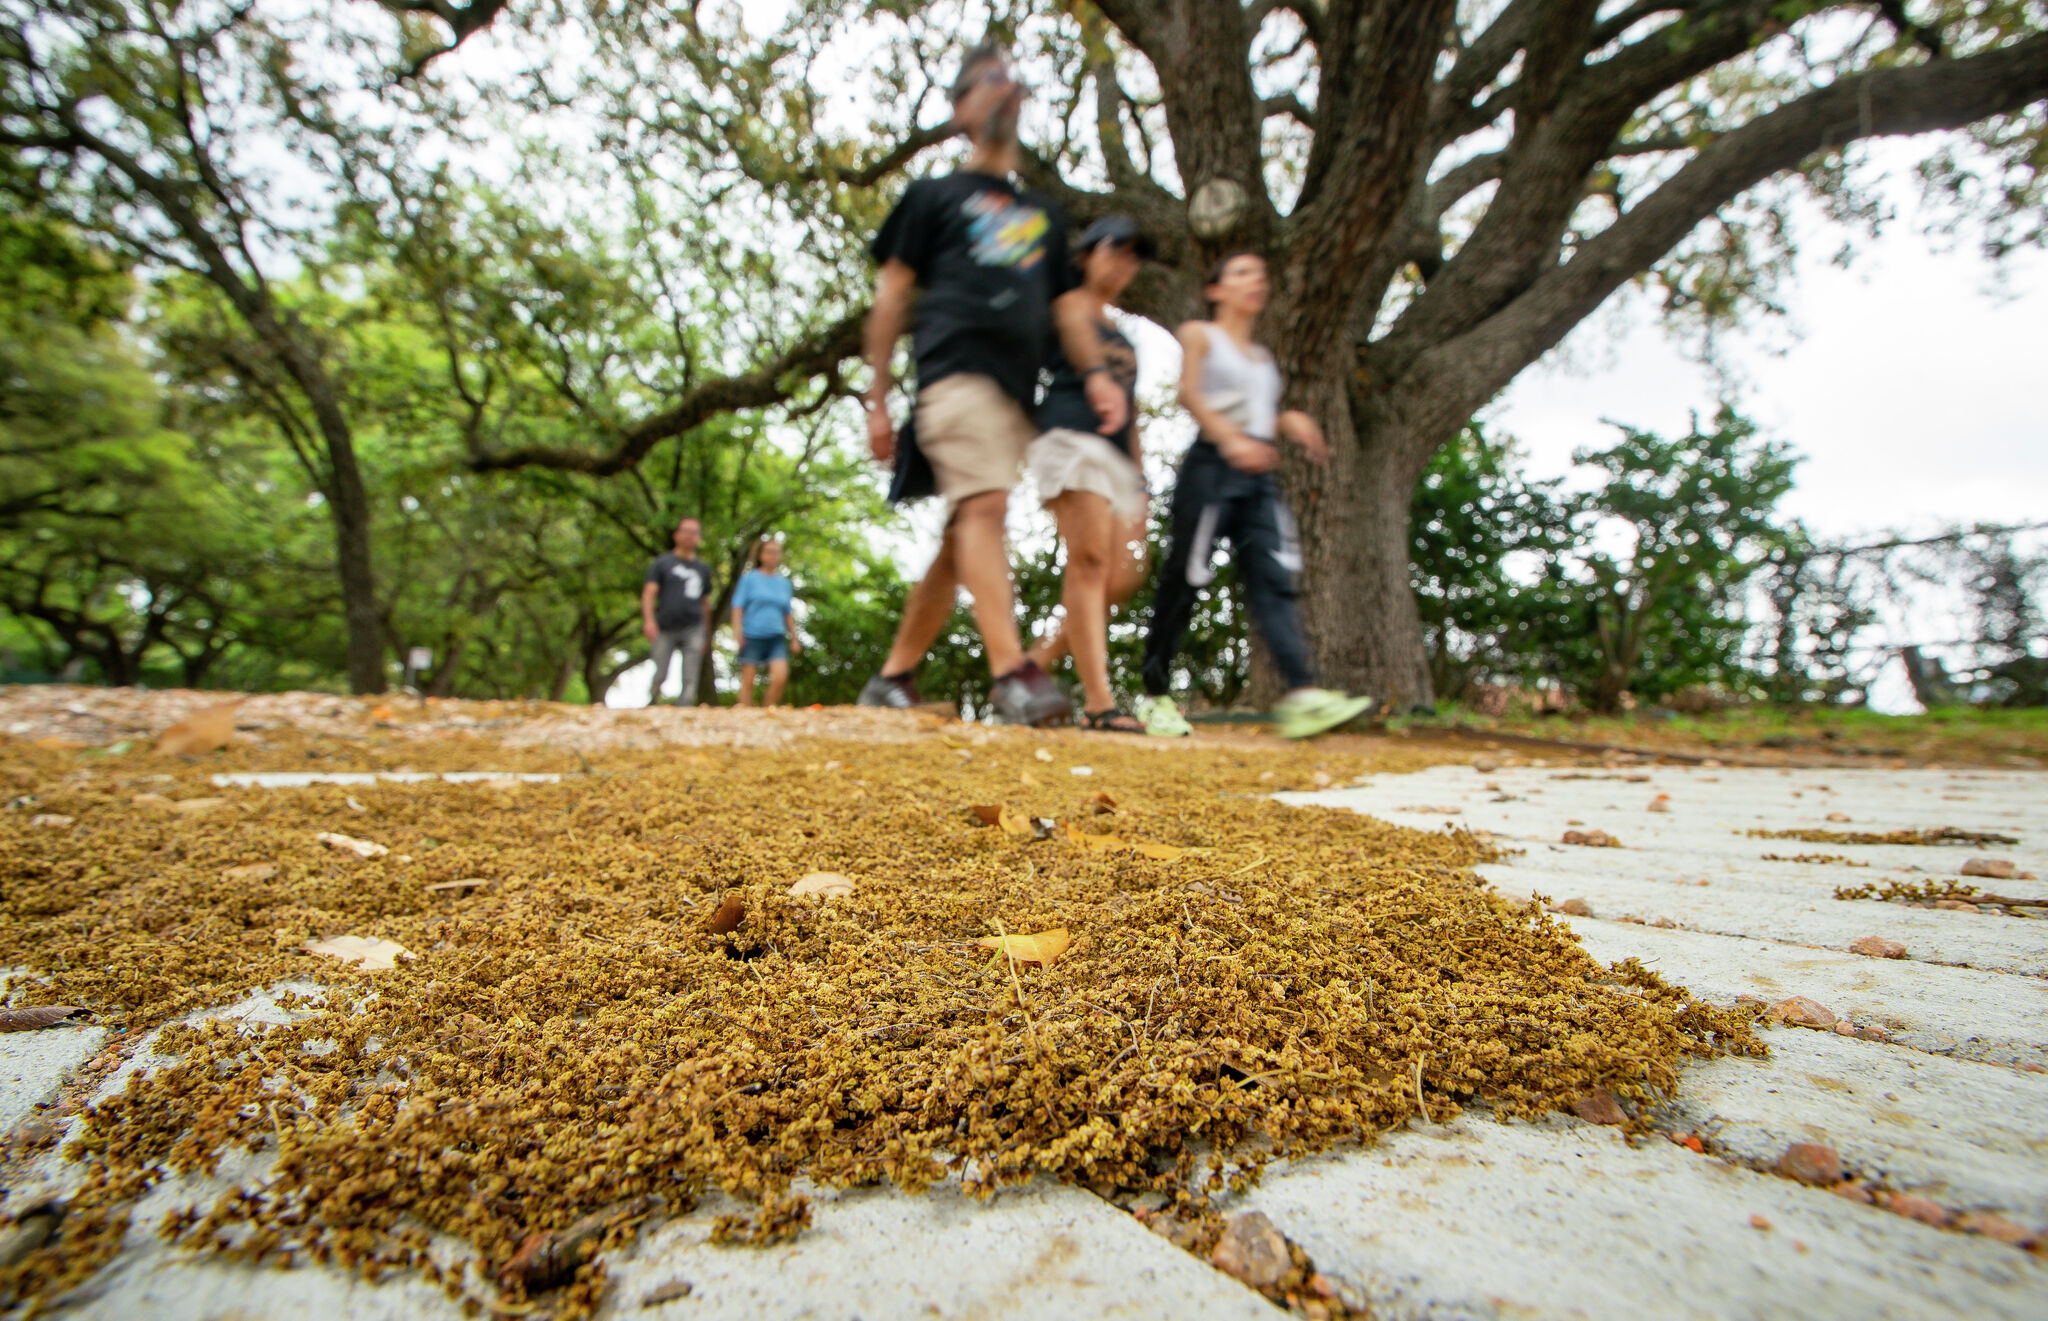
(1063, 460)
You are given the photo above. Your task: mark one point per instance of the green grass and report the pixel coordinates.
(1970, 735)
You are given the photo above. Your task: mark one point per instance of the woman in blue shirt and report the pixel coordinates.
(763, 623)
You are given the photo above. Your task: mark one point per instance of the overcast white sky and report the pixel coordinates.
(1913, 382)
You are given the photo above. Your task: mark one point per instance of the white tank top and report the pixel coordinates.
(1242, 388)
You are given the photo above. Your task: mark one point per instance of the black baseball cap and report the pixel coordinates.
(1116, 227)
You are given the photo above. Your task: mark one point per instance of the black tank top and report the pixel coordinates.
(1066, 402)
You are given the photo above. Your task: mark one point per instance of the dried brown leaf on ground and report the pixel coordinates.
(1591, 839)
(545, 1259)
(1041, 947)
(370, 953)
(1104, 805)
(250, 871)
(731, 911)
(1118, 844)
(39, 1016)
(208, 731)
(1018, 825)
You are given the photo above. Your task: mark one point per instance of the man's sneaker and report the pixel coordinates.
(1027, 696)
(898, 694)
(1314, 711)
(1162, 718)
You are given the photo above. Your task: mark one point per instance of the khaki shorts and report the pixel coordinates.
(973, 434)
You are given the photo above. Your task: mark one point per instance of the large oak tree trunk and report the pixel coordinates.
(1357, 597)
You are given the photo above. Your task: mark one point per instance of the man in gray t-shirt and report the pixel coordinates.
(675, 611)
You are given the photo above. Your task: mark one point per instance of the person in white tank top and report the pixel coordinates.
(1226, 492)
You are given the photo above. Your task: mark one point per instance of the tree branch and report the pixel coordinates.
(1287, 103)
(1459, 374)
(1307, 11)
(1617, 27)
(1926, 38)
(886, 164)
(764, 387)
(463, 22)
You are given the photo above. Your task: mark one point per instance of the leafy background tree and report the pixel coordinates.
(326, 340)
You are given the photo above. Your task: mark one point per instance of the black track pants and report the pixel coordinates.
(1212, 502)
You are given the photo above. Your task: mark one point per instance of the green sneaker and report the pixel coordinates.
(1162, 718)
(1314, 711)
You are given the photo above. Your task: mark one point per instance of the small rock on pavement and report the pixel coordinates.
(1253, 1250)
(1802, 1012)
(1915, 1207)
(1599, 1107)
(1574, 908)
(1811, 1162)
(666, 1293)
(1485, 765)
(1998, 869)
(1877, 947)
(1758, 1222)
(1956, 905)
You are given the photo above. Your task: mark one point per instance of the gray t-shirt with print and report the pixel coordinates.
(684, 584)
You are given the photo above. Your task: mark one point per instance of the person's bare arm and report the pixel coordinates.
(895, 290)
(1074, 314)
(789, 622)
(1300, 428)
(648, 592)
(1238, 449)
(739, 626)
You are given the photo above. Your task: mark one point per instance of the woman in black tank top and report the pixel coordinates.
(1092, 482)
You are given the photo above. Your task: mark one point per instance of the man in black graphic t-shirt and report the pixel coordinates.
(983, 259)
(675, 611)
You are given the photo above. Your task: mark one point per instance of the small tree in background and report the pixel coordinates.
(1666, 548)
(1484, 541)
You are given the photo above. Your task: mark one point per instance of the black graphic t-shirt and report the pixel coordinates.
(990, 258)
(684, 584)
(1066, 400)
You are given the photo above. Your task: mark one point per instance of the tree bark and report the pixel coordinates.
(1357, 601)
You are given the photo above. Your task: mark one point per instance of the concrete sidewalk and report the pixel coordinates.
(1475, 1218)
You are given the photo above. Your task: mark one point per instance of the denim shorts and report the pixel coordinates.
(760, 651)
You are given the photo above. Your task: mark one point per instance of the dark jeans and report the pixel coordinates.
(1213, 501)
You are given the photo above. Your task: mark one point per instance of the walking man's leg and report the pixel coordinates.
(664, 648)
(690, 655)
(778, 679)
(747, 673)
(981, 558)
(925, 612)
